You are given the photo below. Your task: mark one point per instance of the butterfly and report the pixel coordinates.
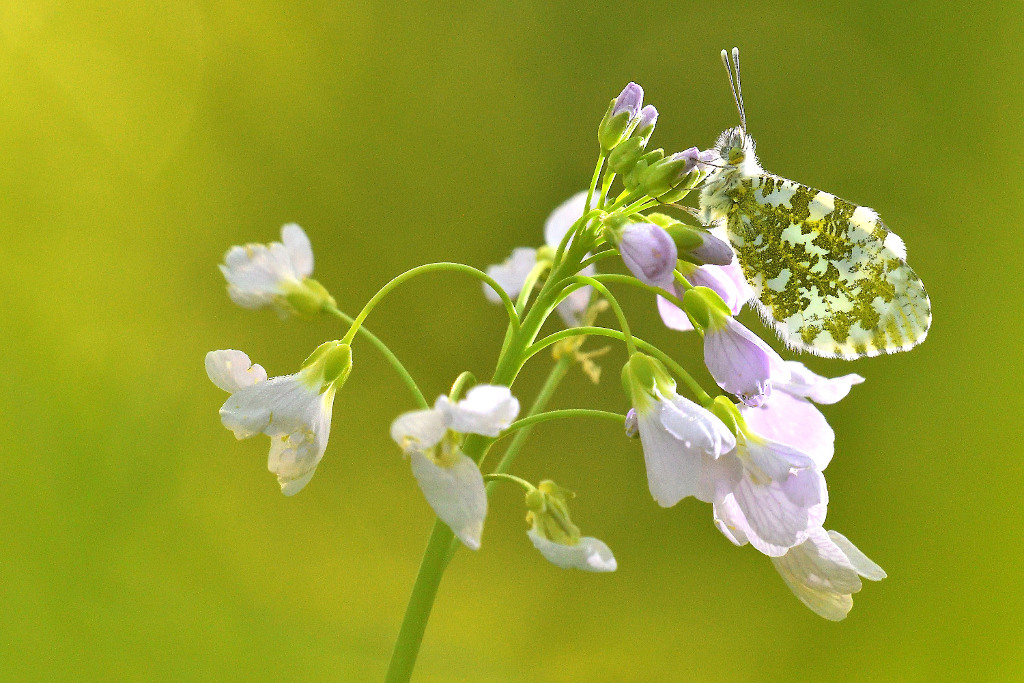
(828, 275)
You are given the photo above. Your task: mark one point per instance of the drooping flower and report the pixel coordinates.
(512, 273)
(293, 410)
(738, 359)
(790, 417)
(275, 275)
(825, 571)
(450, 480)
(677, 435)
(557, 538)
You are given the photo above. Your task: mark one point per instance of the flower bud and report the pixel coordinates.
(631, 180)
(700, 247)
(726, 411)
(330, 364)
(625, 156)
(705, 305)
(621, 117)
(648, 252)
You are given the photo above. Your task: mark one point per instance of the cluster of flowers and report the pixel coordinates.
(759, 462)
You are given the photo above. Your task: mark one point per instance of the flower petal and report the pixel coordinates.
(864, 566)
(795, 422)
(573, 308)
(728, 281)
(511, 273)
(419, 430)
(289, 400)
(673, 316)
(487, 410)
(300, 251)
(673, 471)
(742, 363)
(562, 218)
(820, 574)
(806, 384)
(773, 458)
(696, 427)
(589, 554)
(649, 253)
(295, 454)
(456, 494)
(779, 515)
(232, 370)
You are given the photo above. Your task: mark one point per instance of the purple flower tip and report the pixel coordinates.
(649, 253)
(739, 361)
(648, 117)
(629, 100)
(713, 251)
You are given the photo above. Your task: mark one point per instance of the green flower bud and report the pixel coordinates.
(308, 297)
(632, 179)
(621, 118)
(330, 364)
(726, 411)
(705, 305)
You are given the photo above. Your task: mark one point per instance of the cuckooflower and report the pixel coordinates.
(788, 415)
(738, 359)
(557, 538)
(512, 273)
(824, 572)
(275, 275)
(450, 480)
(649, 253)
(293, 410)
(677, 435)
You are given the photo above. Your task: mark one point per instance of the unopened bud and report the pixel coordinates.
(621, 117)
(726, 411)
(649, 253)
(699, 246)
(705, 305)
(308, 297)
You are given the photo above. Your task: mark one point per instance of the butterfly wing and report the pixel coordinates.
(829, 275)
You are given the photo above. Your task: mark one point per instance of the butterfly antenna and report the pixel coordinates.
(734, 83)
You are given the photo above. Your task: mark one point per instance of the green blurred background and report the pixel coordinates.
(140, 140)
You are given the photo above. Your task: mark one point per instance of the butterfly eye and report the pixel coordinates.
(736, 155)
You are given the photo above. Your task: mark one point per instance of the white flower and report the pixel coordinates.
(677, 435)
(293, 410)
(765, 493)
(275, 275)
(824, 572)
(450, 480)
(788, 416)
(588, 553)
(512, 273)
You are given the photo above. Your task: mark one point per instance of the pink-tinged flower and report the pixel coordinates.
(788, 416)
(740, 361)
(450, 480)
(765, 493)
(727, 281)
(649, 253)
(677, 435)
(825, 571)
(511, 274)
(587, 553)
(293, 410)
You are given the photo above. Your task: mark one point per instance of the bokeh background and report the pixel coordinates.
(140, 139)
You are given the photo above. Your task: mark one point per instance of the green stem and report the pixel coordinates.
(599, 256)
(388, 355)
(560, 415)
(675, 367)
(414, 624)
(633, 282)
(616, 308)
(593, 181)
(510, 477)
(510, 308)
(460, 383)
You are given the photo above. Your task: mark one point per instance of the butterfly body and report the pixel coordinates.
(828, 275)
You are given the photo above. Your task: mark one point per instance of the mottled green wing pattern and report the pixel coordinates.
(828, 274)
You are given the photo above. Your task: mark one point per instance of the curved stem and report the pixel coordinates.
(675, 367)
(501, 476)
(388, 355)
(633, 282)
(559, 415)
(616, 308)
(599, 256)
(510, 308)
(460, 383)
(528, 284)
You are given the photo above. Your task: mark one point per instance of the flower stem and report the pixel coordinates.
(558, 415)
(510, 308)
(428, 579)
(388, 354)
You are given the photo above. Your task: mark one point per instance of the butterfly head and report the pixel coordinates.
(734, 146)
